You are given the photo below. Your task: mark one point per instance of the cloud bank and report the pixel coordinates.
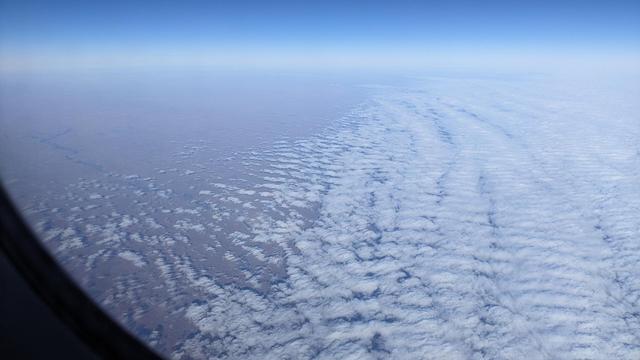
(462, 218)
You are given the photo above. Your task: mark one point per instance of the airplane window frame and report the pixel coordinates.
(103, 335)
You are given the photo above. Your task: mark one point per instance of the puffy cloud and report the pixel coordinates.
(459, 218)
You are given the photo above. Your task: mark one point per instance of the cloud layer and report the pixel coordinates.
(457, 218)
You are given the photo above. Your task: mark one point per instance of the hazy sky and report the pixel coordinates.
(327, 33)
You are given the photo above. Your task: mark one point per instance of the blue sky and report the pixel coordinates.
(303, 31)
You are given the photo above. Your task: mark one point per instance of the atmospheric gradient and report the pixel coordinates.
(410, 180)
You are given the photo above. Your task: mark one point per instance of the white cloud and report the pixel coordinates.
(456, 218)
(450, 228)
(134, 258)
